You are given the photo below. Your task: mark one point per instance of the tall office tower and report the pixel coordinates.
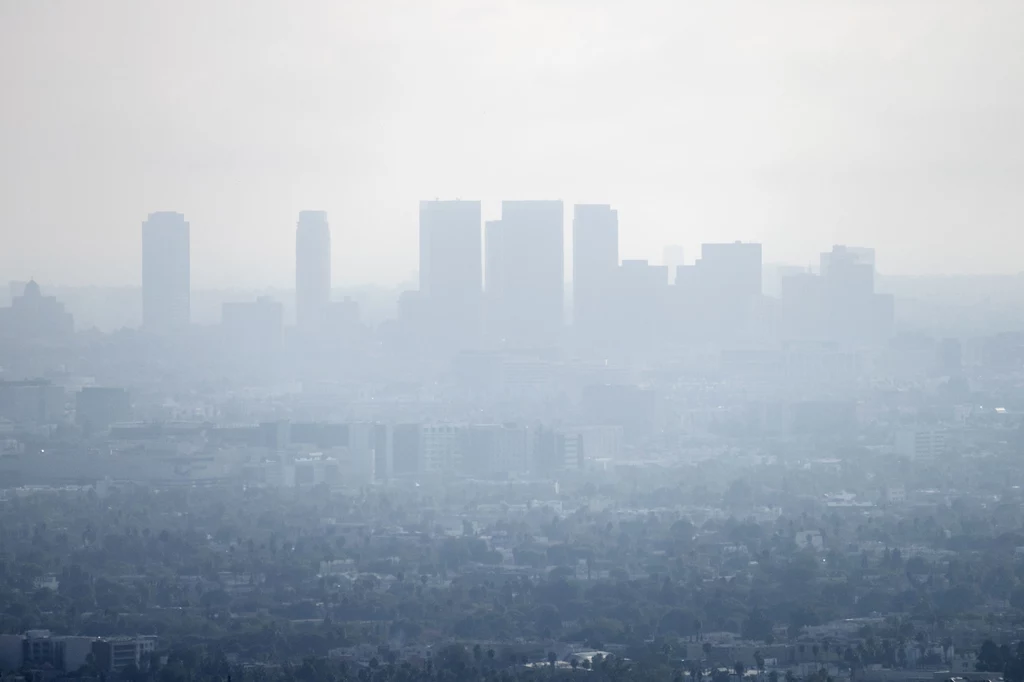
(736, 266)
(525, 274)
(595, 259)
(451, 270)
(166, 272)
(312, 269)
(853, 313)
(34, 317)
(721, 292)
(850, 269)
(672, 258)
(639, 309)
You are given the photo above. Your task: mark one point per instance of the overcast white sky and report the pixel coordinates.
(886, 123)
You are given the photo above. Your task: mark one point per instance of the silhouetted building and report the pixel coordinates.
(496, 450)
(525, 274)
(854, 312)
(720, 294)
(97, 408)
(37, 318)
(921, 444)
(736, 266)
(595, 254)
(342, 322)
(34, 401)
(555, 451)
(312, 269)
(839, 305)
(451, 271)
(640, 297)
(166, 272)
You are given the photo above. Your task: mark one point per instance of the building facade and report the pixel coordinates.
(312, 269)
(525, 274)
(166, 272)
(595, 259)
(451, 270)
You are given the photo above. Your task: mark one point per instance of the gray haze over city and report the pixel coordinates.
(794, 124)
(381, 341)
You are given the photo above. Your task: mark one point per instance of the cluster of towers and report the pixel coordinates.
(502, 284)
(166, 270)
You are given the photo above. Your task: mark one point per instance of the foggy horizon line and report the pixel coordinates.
(411, 281)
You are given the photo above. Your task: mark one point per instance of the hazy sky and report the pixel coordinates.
(892, 123)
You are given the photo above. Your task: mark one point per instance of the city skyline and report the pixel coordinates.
(785, 127)
(511, 341)
(681, 255)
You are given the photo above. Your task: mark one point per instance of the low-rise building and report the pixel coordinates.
(117, 653)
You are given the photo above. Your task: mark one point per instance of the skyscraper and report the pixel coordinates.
(853, 312)
(595, 260)
(525, 274)
(733, 269)
(721, 292)
(451, 269)
(639, 305)
(312, 269)
(166, 272)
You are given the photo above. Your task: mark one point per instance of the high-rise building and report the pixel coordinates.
(496, 449)
(595, 259)
(849, 271)
(525, 274)
(638, 311)
(721, 292)
(166, 272)
(451, 269)
(853, 312)
(34, 401)
(736, 267)
(839, 305)
(312, 269)
(33, 317)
